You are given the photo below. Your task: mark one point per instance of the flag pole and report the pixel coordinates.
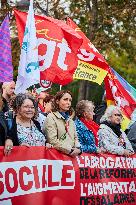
(47, 8)
(60, 87)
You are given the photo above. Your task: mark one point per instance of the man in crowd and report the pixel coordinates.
(42, 93)
(3, 126)
(8, 91)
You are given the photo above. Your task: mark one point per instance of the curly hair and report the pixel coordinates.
(57, 97)
(19, 100)
(82, 106)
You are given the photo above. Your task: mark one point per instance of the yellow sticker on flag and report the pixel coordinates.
(87, 71)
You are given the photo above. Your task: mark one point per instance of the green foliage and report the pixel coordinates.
(110, 25)
(15, 55)
(124, 65)
(113, 20)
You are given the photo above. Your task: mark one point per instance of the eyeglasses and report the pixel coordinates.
(90, 110)
(118, 115)
(27, 107)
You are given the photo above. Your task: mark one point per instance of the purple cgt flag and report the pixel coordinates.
(6, 67)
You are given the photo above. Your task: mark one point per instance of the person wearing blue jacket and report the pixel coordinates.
(85, 126)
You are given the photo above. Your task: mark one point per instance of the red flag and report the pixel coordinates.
(116, 94)
(58, 46)
(89, 58)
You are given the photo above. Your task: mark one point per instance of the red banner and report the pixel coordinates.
(58, 46)
(49, 177)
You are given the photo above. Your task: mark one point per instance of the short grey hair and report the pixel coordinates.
(108, 113)
(82, 106)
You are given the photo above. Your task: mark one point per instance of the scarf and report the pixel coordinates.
(91, 125)
(115, 128)
(65, 115)
(42, 109)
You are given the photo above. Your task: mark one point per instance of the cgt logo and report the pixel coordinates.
(32, 176)
(49, 54)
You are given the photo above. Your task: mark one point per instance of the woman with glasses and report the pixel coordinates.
(111, 137)
(25, 130)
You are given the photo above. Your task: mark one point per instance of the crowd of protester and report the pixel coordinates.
(38, 118)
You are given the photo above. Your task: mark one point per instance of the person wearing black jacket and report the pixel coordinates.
(3, 125)
(132, 136)
(100, 110)
(7, 93)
